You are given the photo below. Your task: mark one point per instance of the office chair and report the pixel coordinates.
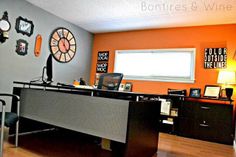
(9, 119)
(110, 81)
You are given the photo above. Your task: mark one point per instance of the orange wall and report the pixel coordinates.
(184, 37)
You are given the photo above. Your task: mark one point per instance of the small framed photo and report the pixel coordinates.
(195, 92)
(212, 91)
(128, 87)
(122, 86)
(21, 47)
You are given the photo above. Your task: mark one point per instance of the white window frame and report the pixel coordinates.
(190, 79)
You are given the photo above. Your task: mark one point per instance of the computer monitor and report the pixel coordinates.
(49, 70)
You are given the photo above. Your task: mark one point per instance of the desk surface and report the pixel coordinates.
(84, 89)
(133, 94)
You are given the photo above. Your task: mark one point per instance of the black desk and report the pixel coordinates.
(132, 126)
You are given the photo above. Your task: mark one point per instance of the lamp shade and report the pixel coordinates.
(226, 77)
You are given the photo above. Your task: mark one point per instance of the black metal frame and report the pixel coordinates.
(18, 50)
(17, 27)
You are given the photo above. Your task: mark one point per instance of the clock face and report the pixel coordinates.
(4, 25)
(62, 45)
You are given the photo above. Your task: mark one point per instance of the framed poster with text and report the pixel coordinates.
(103, 56)
(102, 67)
(215, 58)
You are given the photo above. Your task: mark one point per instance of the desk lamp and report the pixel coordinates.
(227, 78)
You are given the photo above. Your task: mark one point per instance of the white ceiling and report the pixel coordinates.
(99, 16)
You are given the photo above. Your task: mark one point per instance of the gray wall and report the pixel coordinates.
(25, 68)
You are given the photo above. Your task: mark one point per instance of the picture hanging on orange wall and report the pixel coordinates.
(102, 67)
(102, 62)
(215, 58)
(103, 56)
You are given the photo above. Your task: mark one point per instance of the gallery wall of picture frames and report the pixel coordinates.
(25, 27)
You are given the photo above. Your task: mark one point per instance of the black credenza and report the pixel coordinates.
(210, 121)
(202, 118)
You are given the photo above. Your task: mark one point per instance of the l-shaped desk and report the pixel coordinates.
(131, 125)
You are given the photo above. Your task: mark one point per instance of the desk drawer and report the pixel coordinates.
(215, 113)
(213, 131)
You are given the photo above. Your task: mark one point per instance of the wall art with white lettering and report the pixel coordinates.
(103, 56)
(102, 67)
(215, 58)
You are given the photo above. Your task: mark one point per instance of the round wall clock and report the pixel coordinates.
(62, 45)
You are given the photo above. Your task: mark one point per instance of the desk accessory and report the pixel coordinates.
(195, 92)
(226, 78)
(212, 91)
(179, 92)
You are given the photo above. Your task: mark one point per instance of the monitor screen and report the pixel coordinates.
(49, 68)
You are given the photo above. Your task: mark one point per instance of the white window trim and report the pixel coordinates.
(192, 51)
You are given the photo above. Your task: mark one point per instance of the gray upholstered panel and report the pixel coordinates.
(102, 117)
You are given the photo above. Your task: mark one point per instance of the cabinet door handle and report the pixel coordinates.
(204, 125)
(205, 108)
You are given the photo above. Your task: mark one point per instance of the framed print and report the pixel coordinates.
(215, 58)
(24, 26)
(195, 92)
(102, 67)
(21, 47)
(212, 91)
(103, 56)
(122, 86)
(128, 87)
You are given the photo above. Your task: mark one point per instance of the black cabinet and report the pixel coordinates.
(207, 121)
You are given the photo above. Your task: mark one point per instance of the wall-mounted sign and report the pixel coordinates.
(103, 56)
(21, 47)
(102, 67)
(37, 47)
(215, 58)
(102, 62)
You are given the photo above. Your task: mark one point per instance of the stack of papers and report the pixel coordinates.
(83, 86)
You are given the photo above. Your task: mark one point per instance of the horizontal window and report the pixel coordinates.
(167, 65)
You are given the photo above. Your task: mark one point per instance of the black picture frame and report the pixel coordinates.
(128, 87)
(212, 91)
(21, 47)
(195, 92)
(24, 26)
(102, 67)
(103, 56)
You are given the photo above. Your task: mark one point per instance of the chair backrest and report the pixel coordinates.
(110, 81)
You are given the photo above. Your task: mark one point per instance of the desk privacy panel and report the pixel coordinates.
(102, 117)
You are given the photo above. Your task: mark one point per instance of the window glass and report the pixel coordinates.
(172, 65)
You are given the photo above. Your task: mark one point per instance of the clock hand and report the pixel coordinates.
(65, 45)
